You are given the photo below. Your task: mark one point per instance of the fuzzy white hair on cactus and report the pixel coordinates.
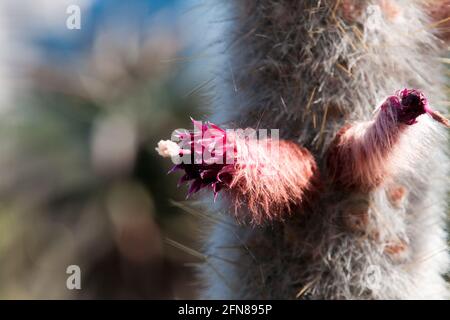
(315, 70)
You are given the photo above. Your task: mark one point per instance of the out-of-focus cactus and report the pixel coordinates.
(80, 182)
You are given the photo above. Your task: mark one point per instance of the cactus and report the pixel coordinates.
(356, 206)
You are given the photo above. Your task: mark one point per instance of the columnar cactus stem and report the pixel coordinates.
(315, 70)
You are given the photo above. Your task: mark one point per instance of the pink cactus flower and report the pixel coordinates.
(268, 184)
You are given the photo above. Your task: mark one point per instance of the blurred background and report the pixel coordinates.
(81, 111)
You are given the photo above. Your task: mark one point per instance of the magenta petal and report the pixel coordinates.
(217, 187)
(195, 187)
(208, 174)
(211, 171)
(216, 127)
(175, 168)
(185, 178)
(198, 125)
(408, 105)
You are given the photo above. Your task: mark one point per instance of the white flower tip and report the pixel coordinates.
(167, 148)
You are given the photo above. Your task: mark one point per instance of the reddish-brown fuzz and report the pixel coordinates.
(396, 195)
(275, 188)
